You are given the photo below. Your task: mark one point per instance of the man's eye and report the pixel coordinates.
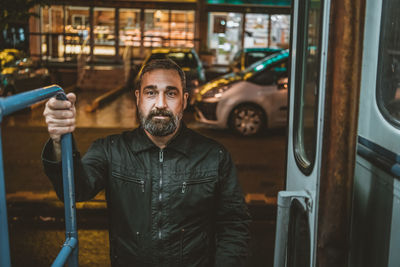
(149, 93)
(171, 93)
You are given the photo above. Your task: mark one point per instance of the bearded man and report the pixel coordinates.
(172, 194)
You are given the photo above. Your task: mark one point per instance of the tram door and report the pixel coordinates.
(375, 233)
(298, 205)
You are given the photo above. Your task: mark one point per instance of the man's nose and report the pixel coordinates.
(161, 103)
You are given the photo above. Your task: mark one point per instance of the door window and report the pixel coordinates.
(306, 83)
(388, 76)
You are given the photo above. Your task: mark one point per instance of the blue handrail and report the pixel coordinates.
(69, 252)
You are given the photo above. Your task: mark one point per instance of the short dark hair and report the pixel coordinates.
(160, 64)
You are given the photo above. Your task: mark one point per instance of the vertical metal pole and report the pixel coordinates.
(64, 32)
(243, 34)
(269, 30)
(116, 34)
(4, 242)
(142, 31)
(69, 195)
(169, 29)
(91, 32)
(69, 191)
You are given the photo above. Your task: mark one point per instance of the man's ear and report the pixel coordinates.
(185, 98)
(137, 94)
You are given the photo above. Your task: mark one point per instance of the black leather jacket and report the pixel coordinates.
(179, 206)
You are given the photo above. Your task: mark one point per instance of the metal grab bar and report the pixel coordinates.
(69, 252)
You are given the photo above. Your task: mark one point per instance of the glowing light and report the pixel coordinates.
(259, 67)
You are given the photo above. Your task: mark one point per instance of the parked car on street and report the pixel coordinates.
(247, 56)
(247, 101)
(22, 75)
(187, 59)
(9, 56)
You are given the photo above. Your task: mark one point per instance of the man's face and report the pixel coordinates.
(161, 102)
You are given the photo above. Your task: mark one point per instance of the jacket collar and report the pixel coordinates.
(180, 141)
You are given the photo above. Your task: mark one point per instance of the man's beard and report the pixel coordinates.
(160, 127)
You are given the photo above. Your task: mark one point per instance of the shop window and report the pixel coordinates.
(129, 27)
(280, 31)
(156, 28)
(225, 35)
(169, 28)
(182, 28)
(77, 28)
(256, 31)
(52, 24)
(52, 19)
(104, 35)
(388, 76)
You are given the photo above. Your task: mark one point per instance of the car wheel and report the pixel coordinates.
(247, 119)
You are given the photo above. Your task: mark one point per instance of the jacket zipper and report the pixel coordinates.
(200, 181)
(161, 159)
(141, 182)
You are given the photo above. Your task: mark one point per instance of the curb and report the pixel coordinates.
(46, 208)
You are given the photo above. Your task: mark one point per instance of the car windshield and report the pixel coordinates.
(264, 63)
(184, 60)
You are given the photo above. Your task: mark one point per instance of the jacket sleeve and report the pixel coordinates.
(90, 172)
(232, 217)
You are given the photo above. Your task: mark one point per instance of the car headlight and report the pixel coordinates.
(217, 91)
(194, 83)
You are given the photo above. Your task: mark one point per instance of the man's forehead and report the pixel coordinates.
(161, 78)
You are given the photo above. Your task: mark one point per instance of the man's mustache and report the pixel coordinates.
(160, 112)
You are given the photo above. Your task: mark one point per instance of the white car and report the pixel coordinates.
(247, 101)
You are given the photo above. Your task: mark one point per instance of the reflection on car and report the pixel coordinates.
(22, 75)
(247, 101)
(247, 56)
(187, 59)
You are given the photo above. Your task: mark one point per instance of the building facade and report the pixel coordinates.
(108, 28)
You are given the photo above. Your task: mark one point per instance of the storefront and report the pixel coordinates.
(108, 28)
(64, 31)
(233, 25)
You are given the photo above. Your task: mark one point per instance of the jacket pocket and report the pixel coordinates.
(134, 180)
(189, 183)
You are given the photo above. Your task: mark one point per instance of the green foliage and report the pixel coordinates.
(17, 11)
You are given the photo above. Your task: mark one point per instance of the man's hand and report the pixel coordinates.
(60, 119)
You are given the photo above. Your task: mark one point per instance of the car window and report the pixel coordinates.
(271, 74)
(266, 62)
(157, 56)
(184, 60)
(254, 56)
